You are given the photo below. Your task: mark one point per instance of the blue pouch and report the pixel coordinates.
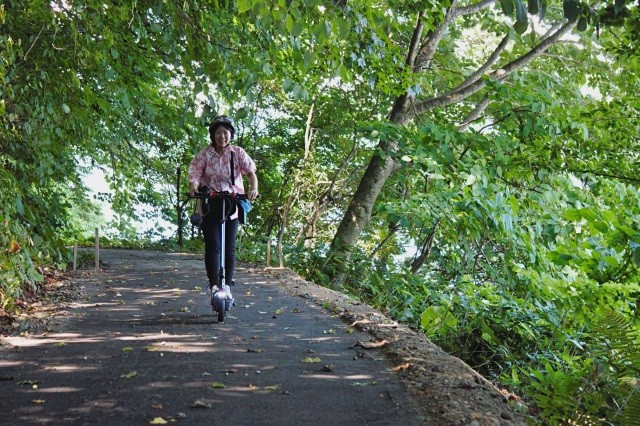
(245, 207)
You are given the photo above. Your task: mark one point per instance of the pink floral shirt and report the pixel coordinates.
(214, 170)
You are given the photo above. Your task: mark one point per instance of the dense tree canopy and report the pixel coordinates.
(468, 165)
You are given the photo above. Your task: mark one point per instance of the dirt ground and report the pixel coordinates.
(137, 343)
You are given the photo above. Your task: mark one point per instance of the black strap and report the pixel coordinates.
(233, 172)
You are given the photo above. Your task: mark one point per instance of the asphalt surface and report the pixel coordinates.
(145, 347)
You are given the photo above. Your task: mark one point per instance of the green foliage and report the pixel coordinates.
(499, 242)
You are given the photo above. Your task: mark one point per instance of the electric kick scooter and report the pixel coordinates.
(221, 298)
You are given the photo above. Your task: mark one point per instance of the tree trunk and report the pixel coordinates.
(295, 187)
(179, 209)
(425, 249)
(358, 213)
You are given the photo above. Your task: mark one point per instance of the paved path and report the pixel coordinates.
(144, 346)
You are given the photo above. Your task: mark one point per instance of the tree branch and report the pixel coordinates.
(474, 114)
(415, 40)
(493, 58)
(473, 8)
(606, 175)
(430, 44)
(460, 93)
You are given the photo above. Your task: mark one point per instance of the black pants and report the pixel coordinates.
(212, 230)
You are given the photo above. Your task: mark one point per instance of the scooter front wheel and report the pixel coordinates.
(218, 304)
(221, 308)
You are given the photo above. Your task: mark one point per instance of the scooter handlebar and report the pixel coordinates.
(209, 195)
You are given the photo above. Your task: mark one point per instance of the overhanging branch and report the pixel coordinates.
(459, 93)
(473, 8)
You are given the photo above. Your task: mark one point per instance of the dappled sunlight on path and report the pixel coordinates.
(145, 344)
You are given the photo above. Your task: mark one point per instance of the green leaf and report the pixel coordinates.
(601, 226)
(507, 7)
(588, 214)
(288, 23)
(19, 205)
(241, 114)
(572, 215)
(533, 6)
(428, 316)
(244, 6)
(571, 9)
(521, 13)
(520, 27)
(543, 9)
(343, 28)
(636, 257)
(582, 25)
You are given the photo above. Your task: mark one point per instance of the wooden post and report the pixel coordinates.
(97, 250)
(75, 256)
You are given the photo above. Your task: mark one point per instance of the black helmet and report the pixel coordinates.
(222, 120)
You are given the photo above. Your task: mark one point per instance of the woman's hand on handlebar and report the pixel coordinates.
(252, 194)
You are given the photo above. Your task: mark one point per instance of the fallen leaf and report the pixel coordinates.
(330, 331)
(372, 345)
(38, 401)
(218, 385)
(360, 322)
(157, 406)
(401, 367)
(272, 387)
(278, 312)
(61, 344)
(127, 349)
(309, 360)
(201, 404)
(130, 375)
(255, 350)
(158, 421)
(14, 247)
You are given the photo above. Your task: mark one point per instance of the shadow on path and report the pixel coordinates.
(144, 345)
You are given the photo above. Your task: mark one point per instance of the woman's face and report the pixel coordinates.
(222, 137)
